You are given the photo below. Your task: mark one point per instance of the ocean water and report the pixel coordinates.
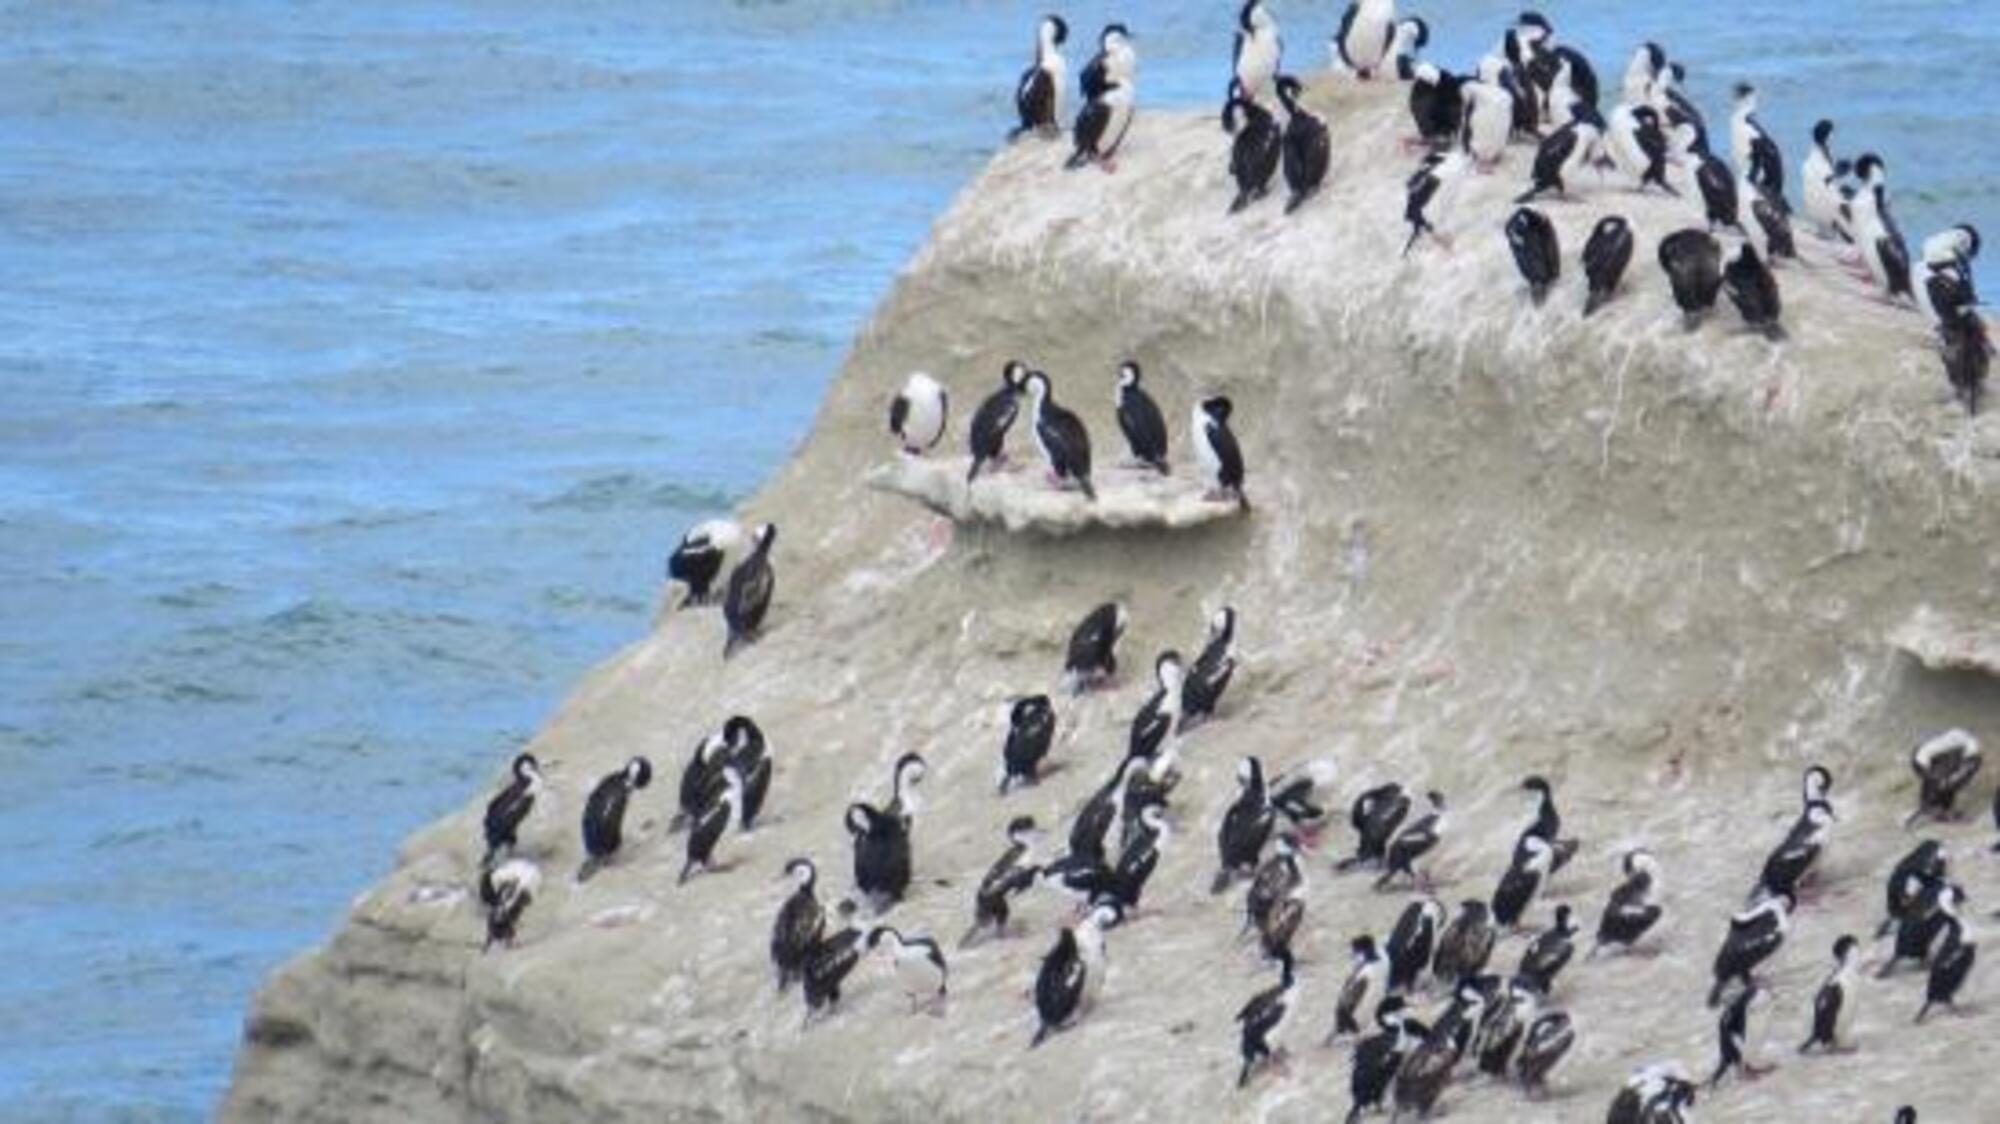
(359, 362)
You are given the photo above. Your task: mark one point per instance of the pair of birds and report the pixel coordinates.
(1107, 83)
(803, 952)
(698, 560)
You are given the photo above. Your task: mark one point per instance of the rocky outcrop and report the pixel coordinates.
(1489, 539)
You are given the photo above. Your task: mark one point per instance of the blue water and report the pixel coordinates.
(359, 360)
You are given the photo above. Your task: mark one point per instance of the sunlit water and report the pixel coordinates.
(358, 361)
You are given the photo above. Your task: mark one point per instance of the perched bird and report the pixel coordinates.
(1968, 353)
(1213, 668)
(1246, 826)
(1883, 252)
(1833, 1003)
(1795, 857)
(1106, 116)
(1254, 58)
(1912, 883)
(1532, 237)
(1038, 95)
(1820, 187)
(1378, 1057)
(1256, 149)
(1414, 841)
(1114, 61)
(1013, 872)
(1367, 28)
(1031, 727)
(912, 956)
(1549, 1038)
(1264, 1017)
(1092, 656)
(1546, 825)
(510, 807)
(882, 836)
(751, 584)
(1408, 37)
(1072, 973)
(707, 828)
(1503, 1027)
(995, 417)
(1814, 786)
(918, 414)
(506, 891)
(701, 777)
(1922, 924)
(1437, 105)
(1425, 1073)
(1280, 923)
(1140, 858)
(1430, 191)
(604, 813)
(1562, 157)
(1751, 147)
(1367, 982)
(1605, 256)
(1295, 796)
(1655, 1094)
(1466, 944)
(1637, 145)
(1308, 149)
(1954, 959)
(1772, 219)
(1944, 765)
(750, 755)
(700, 557)
(1139, 417)
(1064, 442)
(1100, 813)
(1487, 119)
(1733, 1047)
(829, 964)
(1216, 448)
(1634, 907)
(1753, 289)
(800, 923)
(1754, 936)
(1550, 951)
(1161, 712)
(1375, 815)
(1693, 263)
(1412, 941)
(1276, 879)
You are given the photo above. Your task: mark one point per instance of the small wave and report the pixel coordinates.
(160, 689)
(203, 595)
(628, 490)
(187, 828)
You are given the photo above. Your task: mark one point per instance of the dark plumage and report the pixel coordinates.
(604, 813)
(1753, 289)
(1092, 656)
(1754, 936)
(1436, 104)
(1262, 1017)
(1009, 875)
(1693, 262)
(1206, 681)
(1375, 815)
(1532, 238)
(1632, 910)
(1246, 826)
(1550, 951)
(1950, 969)
(995, 417)
(1308, 149)
(1139, 418)
(1377, 1059)
(707, 828)
(1036, 94)
(1061, 434)
(1412, 941)
(1549, 1037)
(800, 923)
(1031, 728)
(1466, 944)
(750, 587)
(1413, 842)
(507, 810)
(1944, 765)
(1605, 256)
(506, 891)
(1221, 456)
(1254, 154)
(1967, 353)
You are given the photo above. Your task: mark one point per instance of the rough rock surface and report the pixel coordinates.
(1489, 539)
(1021, 498)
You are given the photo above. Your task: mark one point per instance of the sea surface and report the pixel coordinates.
(360, 361)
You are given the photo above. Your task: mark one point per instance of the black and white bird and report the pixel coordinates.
(1031, 729)
(1834, 1002)
(1254, 58)
(1751, 148)
(1605, 256)
(1093, 824)
(1060, 434)
(701, 777)
(1944, 285)
(1429, 195)
(1409, 36)
(1563, 156)
(882, 836)
(1264, 1017)
(1721, 202)
(1108, 92)
(1367, 29)
(1412, 942)
(1426, 1072)
(1092, 656)
(700, 557)
(1797, 854)
(1545, 823)
(1923, 922)
(1437, 105)
(1637, 144)
(1654, 1094)
(1532, 238)
(1754, 936)
(1297, 796)
(1140, 857)
(749, 753)
(1246, 825)
(1954, 959)
(800, 923)
(1213, 668)
(751, 584)
(829, 964)
(1912, 884)
(1648, 60)
(1967, 352)
(1692, 260)
(706, 830)
(1675, 107)
(1160, 714)
(1549, 1038)
(506, 891)
(1412, 842)
(1486, 119)
(1634, 906)
(1944, 765)
(604, 813)
(1215, 447)
(1367, 982)
(1276, 879)
(1375, 815)
(1883, 252)
(912, 959)
(1308, 148)
(1254, 153)
(919, 413)
(1503, 1027)
(1140, 419)
(995, 417)
(1549, 953)
(1734, 1041)
(1038, 96)
(1013, 872)
(1072, 974)
(1764, 212)
(1378, 1058)
(1280, 923)
(1815, 784)
(1466, 944)
(1753, 289)
(1821, 192)
(509, 809)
